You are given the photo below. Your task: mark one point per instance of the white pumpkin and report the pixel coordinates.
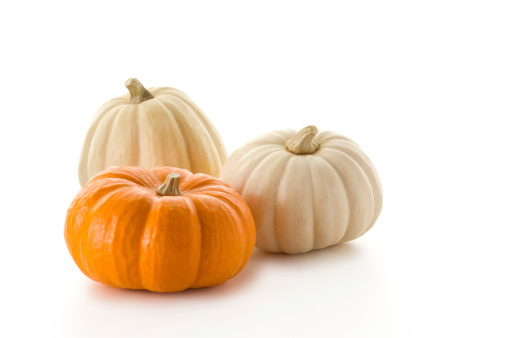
(306, 190)
(160, 126)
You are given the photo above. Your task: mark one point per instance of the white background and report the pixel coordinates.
(420, 85)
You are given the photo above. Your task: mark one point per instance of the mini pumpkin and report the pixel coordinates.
(160, 126)
(163, 229)
(306, 190)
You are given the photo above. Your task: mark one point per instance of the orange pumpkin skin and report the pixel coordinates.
(121, 233)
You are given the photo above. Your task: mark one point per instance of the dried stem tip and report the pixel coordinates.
(170, 186)
(303, 143)
(137, 91)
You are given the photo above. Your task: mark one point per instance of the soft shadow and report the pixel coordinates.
(332, 254)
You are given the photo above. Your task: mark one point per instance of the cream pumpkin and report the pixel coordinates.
(306, 190)
(160, 126)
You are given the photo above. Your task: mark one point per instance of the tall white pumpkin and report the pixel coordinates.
(160, 126)
(306, 190)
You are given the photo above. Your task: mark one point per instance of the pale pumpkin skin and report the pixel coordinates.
(159, 126)
(321, 192)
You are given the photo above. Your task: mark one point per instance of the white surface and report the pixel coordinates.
(420, 85)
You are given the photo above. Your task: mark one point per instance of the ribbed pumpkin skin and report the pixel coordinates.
(168, 130)
(121, 233)
(305, 202)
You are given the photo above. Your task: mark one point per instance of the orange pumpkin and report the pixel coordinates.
(134, 228)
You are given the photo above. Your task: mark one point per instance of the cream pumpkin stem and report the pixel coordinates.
(303, 143)
(170, 186)
(137, 91)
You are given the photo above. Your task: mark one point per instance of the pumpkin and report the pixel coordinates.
(160, 126)
(306, 190)
(163, 229)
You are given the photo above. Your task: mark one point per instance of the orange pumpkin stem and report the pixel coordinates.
(137, 91)
(170, 186)
(303, 143)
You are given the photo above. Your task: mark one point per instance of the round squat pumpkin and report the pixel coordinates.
(153, 127)
(163, 229)
(306, 190)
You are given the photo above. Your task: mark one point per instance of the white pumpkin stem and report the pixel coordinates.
(137, 91)
(303, 143)
(170, 186)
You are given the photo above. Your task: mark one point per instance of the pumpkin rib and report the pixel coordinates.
(166, 91)
(85, 150)
(171, 115)
(279, 137)
(117, 102)
(241, 226)
(114, 103)
(203, 190)
(205, 150)
(177, 142)
(206, 135)
(258, 169)
(268, 139)
(375, 182)
(233, 204)
(186, 102)
(199, 259)
(159, 91)
(121, 129)
(305, 200)
(104, 124)
(110, 134)
(347, 199)
(125, 257)
(142, 239)
(139, 245)
(311, 201)
(88, 261)
(159, 175)
(203, 181)
(277, 227)
(347, 189)
(338, 225)
(206, 276)
(275, 199)
(169, 244)
(373, 178)
(251, 157)
(140, 110)
(127, 175)
(77, 226)
(210, 128)
(91, 262)
(174, 140)
(286, 134)
(198, 273)
(327, 136)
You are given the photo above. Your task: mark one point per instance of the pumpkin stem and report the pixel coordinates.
(303, 143)
(137, 91)
(170, 186)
